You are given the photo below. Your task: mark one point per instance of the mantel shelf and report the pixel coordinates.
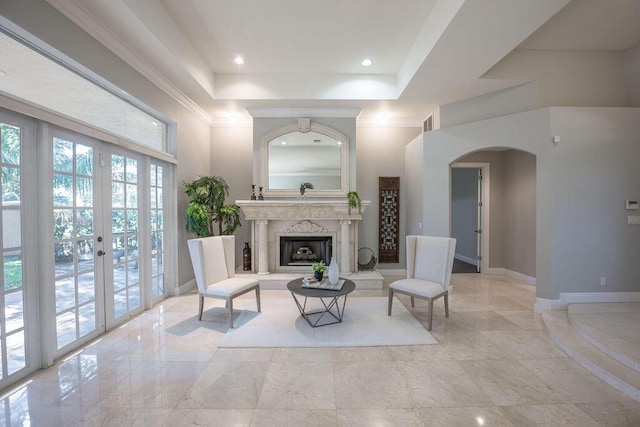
(300, 209)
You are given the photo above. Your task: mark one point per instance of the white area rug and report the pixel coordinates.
(365, 323)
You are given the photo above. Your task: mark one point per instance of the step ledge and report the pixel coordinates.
(619, 356)
(559, 331)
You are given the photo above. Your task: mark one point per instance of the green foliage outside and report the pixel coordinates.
(12, 274)
(207, 207)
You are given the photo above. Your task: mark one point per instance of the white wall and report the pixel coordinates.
(381, 152)
(519, 183)
(581, 185)
(520, 98)
(232, 159)
(567, 78)
(413, 183)
(595, 169)
(527, 131)
(632, 76)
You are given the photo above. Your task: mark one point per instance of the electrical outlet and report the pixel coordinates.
(419, 226)
(603, 281)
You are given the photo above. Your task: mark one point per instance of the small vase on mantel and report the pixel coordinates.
(334, 271)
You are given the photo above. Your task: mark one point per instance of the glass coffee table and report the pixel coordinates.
(333, 309)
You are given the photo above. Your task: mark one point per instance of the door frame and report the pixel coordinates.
(485, 208)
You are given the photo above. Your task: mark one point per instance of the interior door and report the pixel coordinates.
(479, 222)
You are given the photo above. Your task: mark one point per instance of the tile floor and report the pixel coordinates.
(493, 366)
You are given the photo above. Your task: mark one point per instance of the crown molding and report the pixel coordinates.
(390, 123)
(92, 26)
(303, 112)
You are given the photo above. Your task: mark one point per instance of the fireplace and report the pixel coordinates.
(303, 220)
(296, 251)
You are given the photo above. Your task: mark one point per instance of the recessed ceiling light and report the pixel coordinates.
(366, 62)
(154, 123)
(238, 60)
(283, 142)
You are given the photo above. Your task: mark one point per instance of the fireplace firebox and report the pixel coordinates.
(304, 250)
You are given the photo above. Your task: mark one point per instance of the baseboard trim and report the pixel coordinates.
(567, 298)
(466, 259)
(498, 270)
(186, 287)
(599, 297)
(543, 304)
(386, 272)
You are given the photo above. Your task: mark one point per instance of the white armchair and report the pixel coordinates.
(213, 260)
(429, 266)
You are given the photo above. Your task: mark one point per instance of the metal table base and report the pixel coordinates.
(331, 308)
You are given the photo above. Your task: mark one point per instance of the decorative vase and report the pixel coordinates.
(318, 275)
(334, 272)
(246, 257)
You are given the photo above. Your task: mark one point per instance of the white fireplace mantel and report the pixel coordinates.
(274, 217)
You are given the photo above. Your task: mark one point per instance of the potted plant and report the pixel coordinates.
(207, 207)
(318, 269)
(353, 200)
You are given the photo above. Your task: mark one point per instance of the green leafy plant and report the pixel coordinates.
(353, 201)
(319, 267)
(207, 207)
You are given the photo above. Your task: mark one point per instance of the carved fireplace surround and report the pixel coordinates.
(271, 219)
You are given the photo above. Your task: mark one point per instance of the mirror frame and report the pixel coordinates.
(295, 127)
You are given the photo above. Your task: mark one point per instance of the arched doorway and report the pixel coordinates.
(506, 218)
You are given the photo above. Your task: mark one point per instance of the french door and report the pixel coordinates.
(99, 218)
(82, 235)
(18, 305)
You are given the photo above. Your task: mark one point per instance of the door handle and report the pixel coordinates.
(101, 253)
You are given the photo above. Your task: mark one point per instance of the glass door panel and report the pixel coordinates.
(157, 230)
(13, 349)
(76, 280)
(125, 235)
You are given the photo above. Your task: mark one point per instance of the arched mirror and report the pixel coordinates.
(318, 156)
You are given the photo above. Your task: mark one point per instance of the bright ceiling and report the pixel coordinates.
(308, 53)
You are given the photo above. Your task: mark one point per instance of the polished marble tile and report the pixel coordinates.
(493, 364)
(549, 415)
(370, 384)
(306, 385)
(464, 417)
(621, 414)
(509, 382)
(441, 384)
(226, 384)
(295, 417)
(380, 417)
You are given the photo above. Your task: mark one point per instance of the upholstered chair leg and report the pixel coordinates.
(230, 305)
(446, 304)
(258, 298)
(201, 304)
(413, 302)
(430, 314)
(390, 302)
